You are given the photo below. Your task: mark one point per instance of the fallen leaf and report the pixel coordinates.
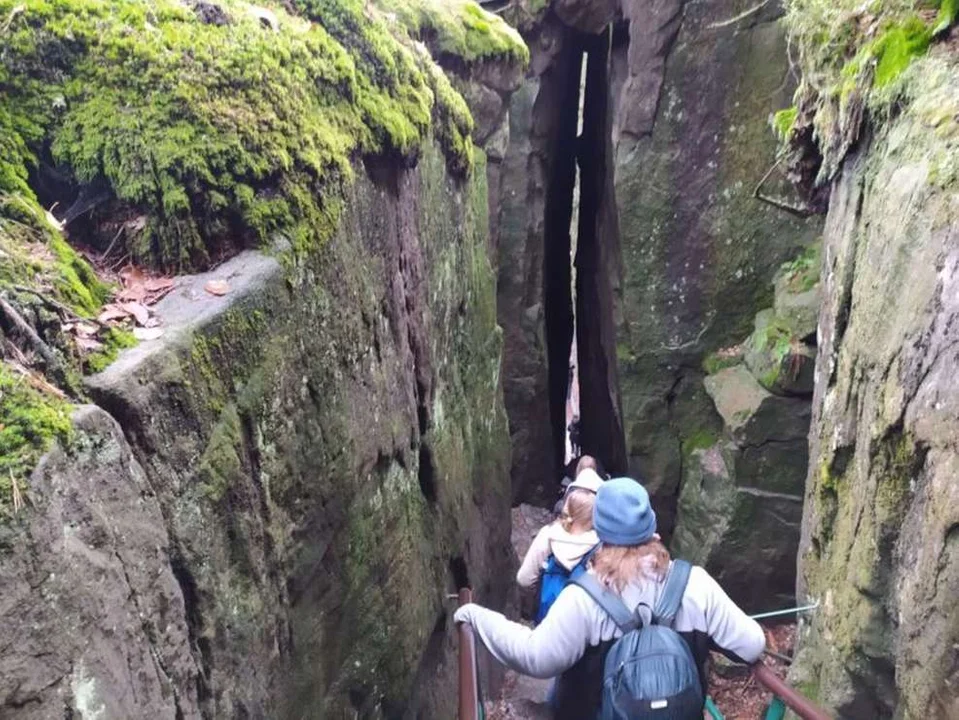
(112, 312)
(147, 333)
(158, 283)
(137, 310)
(217, 287)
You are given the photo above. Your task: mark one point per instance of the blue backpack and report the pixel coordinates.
(650, 672)
(555, 577)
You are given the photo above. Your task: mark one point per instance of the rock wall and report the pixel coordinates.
(693, 89)
(740, 505)
(880, 545)
(321, 455)
(536, 119)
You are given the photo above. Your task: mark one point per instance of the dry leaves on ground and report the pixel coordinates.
(217, 287)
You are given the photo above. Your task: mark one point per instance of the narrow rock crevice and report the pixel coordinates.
(597, 258)
(558, 214)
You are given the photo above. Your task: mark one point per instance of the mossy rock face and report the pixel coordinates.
(223, 134)
(880, 549)
(326, 441)
(778, 359)
(699, 251)
(752, 415)
(743, 534)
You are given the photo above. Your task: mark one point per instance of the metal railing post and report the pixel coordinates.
(469, 687)
(800, 705)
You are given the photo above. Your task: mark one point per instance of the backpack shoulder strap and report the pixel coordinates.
(672, 597)
(613, 606)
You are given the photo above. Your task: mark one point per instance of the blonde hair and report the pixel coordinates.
(577, 514)
(618, 565)
(587, 461)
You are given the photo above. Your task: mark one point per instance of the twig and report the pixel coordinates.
(779, 656)
(38, 382)
(106, 253)
(30, 334)
(17, 498)
(743, 15)
(798, 210)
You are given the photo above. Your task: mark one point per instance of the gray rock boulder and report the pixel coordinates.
(94, 620)
(753, 415)
(778, 359)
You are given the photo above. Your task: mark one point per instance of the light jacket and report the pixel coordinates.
(567, 548)
(707, 619)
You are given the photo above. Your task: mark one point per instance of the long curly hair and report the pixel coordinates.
(618, 565)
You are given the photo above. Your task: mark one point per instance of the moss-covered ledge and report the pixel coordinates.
(224, 130)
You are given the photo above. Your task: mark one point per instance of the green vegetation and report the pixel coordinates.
(784, 120)
(722, 359)
(114, 340)
(698, 440)
(32, 420)
(459, 30)
(853, 56)
(802, 273)
(225, 135)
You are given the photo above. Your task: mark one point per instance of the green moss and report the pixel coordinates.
(698, 440)
(722, 359)
(460, 29)
(896, 48)
(802, 273)
(784, 120)
(34, 255)
(220, 464)
(114, 340)
(30, 421)
(228, 135)
(948, 14)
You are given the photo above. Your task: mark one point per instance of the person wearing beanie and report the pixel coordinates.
(572, 640)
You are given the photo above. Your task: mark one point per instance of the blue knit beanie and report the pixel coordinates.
(622, 515)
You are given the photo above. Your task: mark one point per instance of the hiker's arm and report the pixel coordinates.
(552, 648)
(532, 565)
(734, 633)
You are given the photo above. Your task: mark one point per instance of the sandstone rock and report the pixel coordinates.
(752, 414)
(880, 547)
(323, 438)
(94, 620)
(698, 250)
(800, 310)
(744, 536)
(487, 107)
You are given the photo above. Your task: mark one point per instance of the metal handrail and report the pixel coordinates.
(800, 705)
(468, 676)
